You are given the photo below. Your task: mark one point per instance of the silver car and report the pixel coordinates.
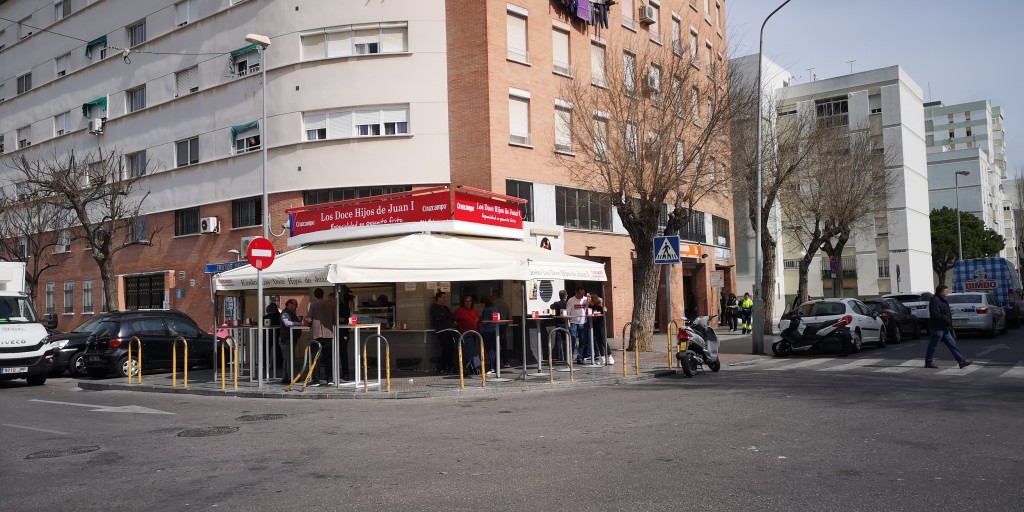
(977, 312)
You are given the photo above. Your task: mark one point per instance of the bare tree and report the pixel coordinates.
(648, 133)
(102, 197)
(34, 230)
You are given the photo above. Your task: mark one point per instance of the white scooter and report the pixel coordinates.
(698, 346)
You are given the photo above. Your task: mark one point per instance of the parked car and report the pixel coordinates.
(899, 320)
(917, 303)
(107, 346)
(977, 312)
(866, 325)
(70, 347)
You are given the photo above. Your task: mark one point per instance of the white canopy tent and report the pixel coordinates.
(417, 257)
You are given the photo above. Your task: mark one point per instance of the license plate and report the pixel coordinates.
(960, 321)
(16, 369)
(94, 358)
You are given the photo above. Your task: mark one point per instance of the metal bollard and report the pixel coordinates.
(228, 342)
(668, 336)
(387, 360)
(174, 361)
(132, 341)
(483, 365)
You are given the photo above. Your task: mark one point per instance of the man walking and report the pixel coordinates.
(940, 327)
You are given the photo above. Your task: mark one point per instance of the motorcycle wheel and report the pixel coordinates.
(688, 364)
(715, 365)
(782, 348)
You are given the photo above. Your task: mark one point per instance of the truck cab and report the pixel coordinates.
(24, 351)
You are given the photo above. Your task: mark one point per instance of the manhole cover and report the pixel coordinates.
(261, 417)
(207, 431)
(52, 454)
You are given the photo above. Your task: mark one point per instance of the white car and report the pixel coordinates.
(977, 312)
(865, 324)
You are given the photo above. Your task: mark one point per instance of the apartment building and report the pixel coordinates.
(363, 98)
(969, 138)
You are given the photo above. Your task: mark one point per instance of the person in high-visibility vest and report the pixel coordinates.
(746, 307)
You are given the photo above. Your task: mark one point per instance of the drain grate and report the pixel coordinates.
(63, 452)
(261, 417)
(207, 431)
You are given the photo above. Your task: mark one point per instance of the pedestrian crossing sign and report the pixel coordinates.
(666, 250)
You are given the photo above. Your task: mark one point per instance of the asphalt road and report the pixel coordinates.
(868, 432)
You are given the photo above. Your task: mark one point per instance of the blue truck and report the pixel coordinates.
(996, 276)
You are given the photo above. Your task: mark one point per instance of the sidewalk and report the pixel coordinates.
(414, 384)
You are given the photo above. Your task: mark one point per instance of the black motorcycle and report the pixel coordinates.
(829, 337)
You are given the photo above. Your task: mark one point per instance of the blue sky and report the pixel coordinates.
(960, 51)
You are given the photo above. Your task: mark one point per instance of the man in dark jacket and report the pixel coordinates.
(940, 327)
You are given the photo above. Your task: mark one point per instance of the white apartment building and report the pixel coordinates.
(886, 103)
(969, 137)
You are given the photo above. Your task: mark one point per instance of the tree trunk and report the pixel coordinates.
(109, 280)
(645, 299)
(836, 251)
(942, 276)
(802, 278)
(768, 278)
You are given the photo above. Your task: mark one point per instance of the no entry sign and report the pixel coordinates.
(260, 253)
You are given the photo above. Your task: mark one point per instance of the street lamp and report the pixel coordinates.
(758, 334)
(263, 42)
(956, 187)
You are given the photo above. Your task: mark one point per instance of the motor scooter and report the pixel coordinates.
(833, 336)
(697, 346)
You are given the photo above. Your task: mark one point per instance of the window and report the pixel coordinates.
(349, 40)
(654, 28)
(23, 190)
(60, 124)
(24, 137)
(135, 99)
(87, 296)
(949, 118)
(693, 47)
(628, 11)
(246, 212)
(835, 111)
(951, 133)
(187, 81)
(24, 83)
(883, 268)
(519, 118)
(247, 137)
(720, 231)
(136, 163)
(187, 151)
(601, 136)
(680, 157)
(516, 26)
(967, 115)
(707, 8)
(95, 174)
(95, 108)
(694, 230)
(654, 85)
(359, 123)
(60, 64)
(677, 35)
(183, 12)
(186, 221)
(245, 61)
(724, 181)
(967, 131)
(597, 76)
(582, 209)
(63, 243)
(136, 33)
(629, 71)
(61, 9)
(137, 231)
(24, 30)
(560, 52)
(677, 96)
(144, 292)
(711, 57)
(630, 137)
(695, 105)
(711, 108)
(522, 190)
(69, 297)
(51, 291)
(330, 195)
(791, 264)
(563, 127)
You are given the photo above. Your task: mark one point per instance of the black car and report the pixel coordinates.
(899, 320)
(107, 345)
(71, 348)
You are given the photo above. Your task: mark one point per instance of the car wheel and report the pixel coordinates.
(37, 380)
(897, 335)
(122, 366)
(882, 335)
(77, 365)
(858, 341)
(991, 333)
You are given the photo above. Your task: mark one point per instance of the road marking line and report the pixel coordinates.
(1016, 371)
(903, 367)
(801, 364)
(964, 371)
(851, 365)
(58, 432)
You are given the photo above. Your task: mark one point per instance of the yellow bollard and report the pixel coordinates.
(551, 363)
(223, 376)
(234, 361)
(133, 340)
(366, 373)
(387, 364)
(174, 362)
(668, 338)
(483, 364)
(636, 359)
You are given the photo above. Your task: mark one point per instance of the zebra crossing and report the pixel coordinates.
(890, 366)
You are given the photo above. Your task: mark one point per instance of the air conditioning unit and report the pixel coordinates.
(96, 125)
(244, 249)
(647, 15)
(209, 225)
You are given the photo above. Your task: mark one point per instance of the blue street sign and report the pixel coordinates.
(666, 250)
(217, 268)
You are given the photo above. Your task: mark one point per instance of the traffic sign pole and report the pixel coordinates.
(261, 255)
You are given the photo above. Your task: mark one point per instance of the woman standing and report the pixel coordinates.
(600, 335)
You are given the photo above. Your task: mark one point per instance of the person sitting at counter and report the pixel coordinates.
(468, 319)
(489, 330)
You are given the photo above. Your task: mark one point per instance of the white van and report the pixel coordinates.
(24, 351)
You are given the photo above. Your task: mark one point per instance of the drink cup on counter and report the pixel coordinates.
(353, 320)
